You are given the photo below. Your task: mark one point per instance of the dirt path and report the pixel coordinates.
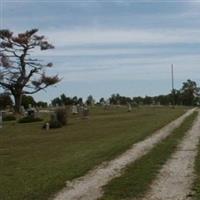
(176, 177)
(89, 186)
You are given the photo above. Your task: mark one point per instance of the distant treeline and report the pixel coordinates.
(188, 95)
(6, 101)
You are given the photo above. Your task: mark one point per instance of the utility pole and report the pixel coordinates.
(172, 70)
(173, 92)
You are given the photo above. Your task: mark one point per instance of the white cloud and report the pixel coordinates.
(95, 51)
(134, 69)
(106, 36)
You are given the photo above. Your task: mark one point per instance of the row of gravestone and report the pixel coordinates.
(30, 112)
(106, 105)
(80, 109)
(76, 109)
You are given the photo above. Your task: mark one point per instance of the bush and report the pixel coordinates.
(29, 120)
(61, 116)
(58, 119)
(9, 118)
(55, 124)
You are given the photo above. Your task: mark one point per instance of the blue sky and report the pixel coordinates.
(112, 46)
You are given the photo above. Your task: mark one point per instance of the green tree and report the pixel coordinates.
(189, 92)
(28, 100)
(56, 101)
(5, 100)
(90, 100)
(75, 100)
(80, 101)
(102, 100)
(115, 99)
(42, 104)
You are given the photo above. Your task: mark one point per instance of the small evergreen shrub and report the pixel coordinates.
(55, 124)
(29, 119)
(58, 119)
(61, 115)
(9, 118)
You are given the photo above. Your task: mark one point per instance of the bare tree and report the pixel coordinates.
(20, 73)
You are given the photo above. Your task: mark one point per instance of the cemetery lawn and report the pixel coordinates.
(138, 177)
(34, 164)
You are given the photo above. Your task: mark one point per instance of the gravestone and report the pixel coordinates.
(118, 104)
(103, 104)
(135, 104)
(47, 126)
(1, 119)
(31, 111)
(80, 110)
(22, 110)
(129, 107)
(107, 105)
(93, 103)
(74, 110)
(85, 111)
(36, 112)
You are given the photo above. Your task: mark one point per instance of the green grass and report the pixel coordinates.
(137, 177)
(34, 163)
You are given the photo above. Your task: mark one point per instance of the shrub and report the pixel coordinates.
(58, 119)
(29, 120)
(55, 124)
(9, 118)
(61, 116)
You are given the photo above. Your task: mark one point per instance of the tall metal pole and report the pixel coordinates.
(172, 70)
(173, 95)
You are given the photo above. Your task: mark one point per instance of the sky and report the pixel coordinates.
(112, 46)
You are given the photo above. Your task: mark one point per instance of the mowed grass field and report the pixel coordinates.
(34, 163)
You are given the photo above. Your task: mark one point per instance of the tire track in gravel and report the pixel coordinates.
(175, 179)
(89, 187)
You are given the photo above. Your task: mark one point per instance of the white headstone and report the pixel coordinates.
(47, 126)
(107, 105)
(23, 111)
(85, 111)
(129, 107)
(118, 104)
(74, 109)
(108, 102)
(93, 103)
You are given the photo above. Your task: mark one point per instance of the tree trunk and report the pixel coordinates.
(18, 102)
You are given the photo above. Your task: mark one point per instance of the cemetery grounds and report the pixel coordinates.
(35, 164)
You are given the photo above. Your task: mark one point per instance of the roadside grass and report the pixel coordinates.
(34, 164)
(137, 177)
(196, 185)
